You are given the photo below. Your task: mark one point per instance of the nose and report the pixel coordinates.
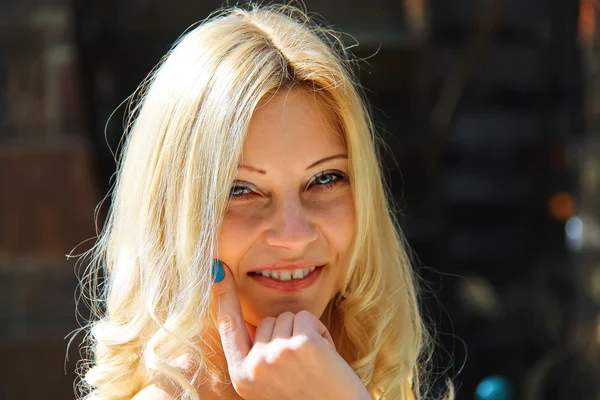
(290, 226)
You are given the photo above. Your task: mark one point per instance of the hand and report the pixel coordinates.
(291, 357)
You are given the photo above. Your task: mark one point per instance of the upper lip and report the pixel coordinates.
(288, 265)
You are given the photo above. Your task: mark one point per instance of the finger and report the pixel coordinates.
(264, 330)
(234, 335)
(306, 323)
(284, 326)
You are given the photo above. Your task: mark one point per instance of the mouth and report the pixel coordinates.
(287, 280)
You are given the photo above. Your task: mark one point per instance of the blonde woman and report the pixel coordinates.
(250, 250)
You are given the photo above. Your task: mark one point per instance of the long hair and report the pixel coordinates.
(183, 141)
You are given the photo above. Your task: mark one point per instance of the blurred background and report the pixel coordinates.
(490, 113)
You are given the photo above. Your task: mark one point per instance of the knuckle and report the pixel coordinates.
(288, 350)
(286, 315)
(303, 316)
(306, 343)
(261, 369)
(267, 321)
(274, 355)
(227, 325)
(309, 341)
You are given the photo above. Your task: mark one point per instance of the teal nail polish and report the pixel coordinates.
(217, 270)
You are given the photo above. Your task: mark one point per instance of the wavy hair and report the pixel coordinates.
(149, 275)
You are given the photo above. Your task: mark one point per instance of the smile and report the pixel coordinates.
(285, 275)
(287, 280)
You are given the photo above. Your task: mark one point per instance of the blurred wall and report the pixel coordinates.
(479, 106)
(47, 196)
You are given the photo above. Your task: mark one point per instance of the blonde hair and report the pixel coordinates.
(182, 146)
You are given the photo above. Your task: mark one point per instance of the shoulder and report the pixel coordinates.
(154, 392)
(164, 389)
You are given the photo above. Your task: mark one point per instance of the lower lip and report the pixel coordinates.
(293, 285)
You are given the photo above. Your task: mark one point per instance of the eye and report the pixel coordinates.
(322, 181)
(328, 179)
(240, 192)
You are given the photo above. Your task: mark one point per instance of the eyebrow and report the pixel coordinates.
(262, 171)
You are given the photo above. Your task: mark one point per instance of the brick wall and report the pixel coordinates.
(47, 198)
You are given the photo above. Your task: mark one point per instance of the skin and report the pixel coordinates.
(284, 214)
(291, 357)
(292, 200)
(275, 345)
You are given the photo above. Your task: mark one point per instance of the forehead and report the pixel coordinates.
(292, 125)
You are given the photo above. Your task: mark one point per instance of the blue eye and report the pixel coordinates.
(322, 181)
(240, 192)
(329, 179)
(236, 190)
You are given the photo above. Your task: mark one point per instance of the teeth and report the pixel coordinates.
(298, 274)
(287, 275)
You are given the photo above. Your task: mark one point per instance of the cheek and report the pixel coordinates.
(333, 215)
(238, 231)
(337, 223)
(336, 220)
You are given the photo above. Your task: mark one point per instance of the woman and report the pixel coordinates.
(250, 251)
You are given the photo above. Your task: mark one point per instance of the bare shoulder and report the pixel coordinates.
(163, 389)
(154, 392)
(158, 389)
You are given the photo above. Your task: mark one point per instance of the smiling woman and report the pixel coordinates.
(294, 207)
(250, 250)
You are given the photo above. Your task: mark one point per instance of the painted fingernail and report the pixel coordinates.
(217, 270)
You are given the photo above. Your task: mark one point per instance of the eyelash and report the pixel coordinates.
(339, 178)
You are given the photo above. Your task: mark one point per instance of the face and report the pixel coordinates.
(291, 210)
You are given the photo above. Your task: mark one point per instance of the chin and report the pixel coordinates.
(274, 310)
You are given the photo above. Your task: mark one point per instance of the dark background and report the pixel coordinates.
(488, 110)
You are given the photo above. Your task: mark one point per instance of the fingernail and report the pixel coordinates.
(217, 270)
